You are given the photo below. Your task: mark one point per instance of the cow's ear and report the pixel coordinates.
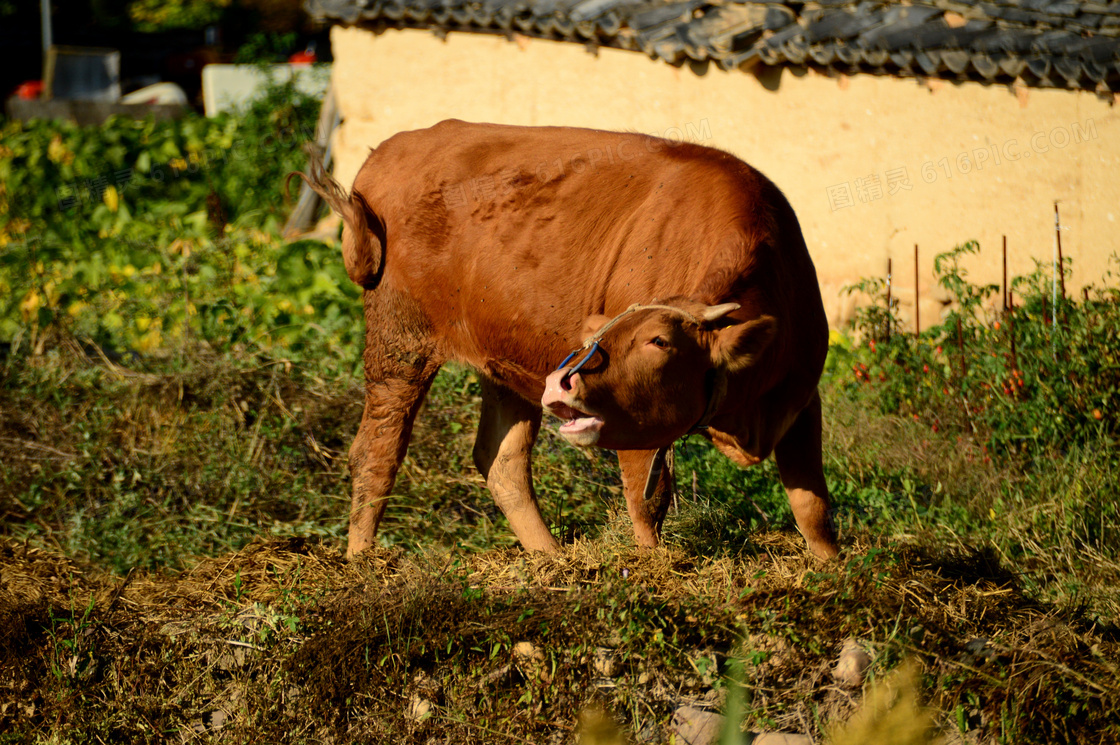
(738, 347)
(592, 325)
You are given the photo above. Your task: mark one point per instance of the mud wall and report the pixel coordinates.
(873, 165)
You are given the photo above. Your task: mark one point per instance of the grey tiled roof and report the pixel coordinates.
(1058, 43)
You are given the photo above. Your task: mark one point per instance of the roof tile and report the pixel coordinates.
(1046, 42)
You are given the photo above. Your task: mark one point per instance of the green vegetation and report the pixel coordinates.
(178, 391)
(121, 234)
(164, 15)
(1030, 404)
(1016, 382)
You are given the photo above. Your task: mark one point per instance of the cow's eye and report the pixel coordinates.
(659, 342)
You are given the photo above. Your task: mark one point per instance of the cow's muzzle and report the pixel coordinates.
(561, 397)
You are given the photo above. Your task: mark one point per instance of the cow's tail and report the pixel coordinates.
(363, 241)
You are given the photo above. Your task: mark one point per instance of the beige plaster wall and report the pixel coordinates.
(980, 162)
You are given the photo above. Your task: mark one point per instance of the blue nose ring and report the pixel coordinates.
(591, 353)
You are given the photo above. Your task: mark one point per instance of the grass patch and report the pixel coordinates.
(198, 454)
(188, 516)
(137, 469)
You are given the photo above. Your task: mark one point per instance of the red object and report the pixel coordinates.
(302, 58)
(30, 90)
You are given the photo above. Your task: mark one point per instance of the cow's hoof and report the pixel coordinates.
(824, 551)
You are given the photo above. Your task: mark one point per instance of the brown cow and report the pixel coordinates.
(505, 247)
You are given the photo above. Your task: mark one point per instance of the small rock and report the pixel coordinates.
(218, 719)
(852, 665)
(647, 734)
(531, 662)
(694, 726)
(419, 708)
(232, 658)
(527, 651)
(604, 662)
(210, 722)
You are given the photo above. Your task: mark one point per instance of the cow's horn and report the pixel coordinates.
(715, 312)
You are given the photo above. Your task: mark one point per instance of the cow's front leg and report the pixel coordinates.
(801, 468)
(503, 450)
(647, 480)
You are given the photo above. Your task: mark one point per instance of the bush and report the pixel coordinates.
(139, 233)
(1013, 380)
(1030, 404)
(165, 15)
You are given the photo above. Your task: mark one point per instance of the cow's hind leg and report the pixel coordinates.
(801, 468)
(503, 450)
(400, 365)
(647, 480)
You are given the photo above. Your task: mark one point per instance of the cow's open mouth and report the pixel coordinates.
(577, 422)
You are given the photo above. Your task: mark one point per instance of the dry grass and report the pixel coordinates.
(287, 642)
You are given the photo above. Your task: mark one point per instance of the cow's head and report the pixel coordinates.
(655, 375)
